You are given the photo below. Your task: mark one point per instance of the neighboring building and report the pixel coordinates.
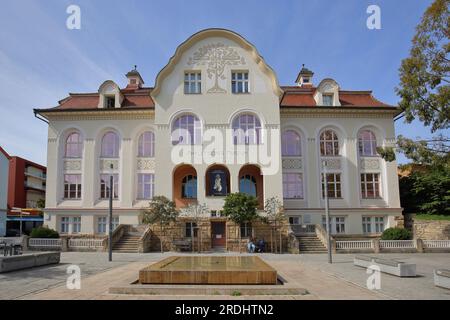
(217, 83)
(4, 167)
(26, 188)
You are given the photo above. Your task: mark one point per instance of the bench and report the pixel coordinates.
(442, 278)
(396, 268)
(182, 245)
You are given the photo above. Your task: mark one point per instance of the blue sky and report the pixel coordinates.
(41, 60)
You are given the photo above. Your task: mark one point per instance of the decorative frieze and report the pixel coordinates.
(370, 164)
(146, 164)
(72, 165)
(333, 163)
(292, 164)
(105, 164)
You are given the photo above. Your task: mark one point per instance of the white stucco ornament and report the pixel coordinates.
(216, 56)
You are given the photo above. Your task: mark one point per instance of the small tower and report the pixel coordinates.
(135, 80)
(304, 78)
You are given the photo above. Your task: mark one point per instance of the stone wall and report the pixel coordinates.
(431, 230)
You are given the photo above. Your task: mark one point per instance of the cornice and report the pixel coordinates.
(100, 115)
(337, 112)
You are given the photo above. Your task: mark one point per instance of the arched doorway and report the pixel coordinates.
(251, 182)
(184, 185)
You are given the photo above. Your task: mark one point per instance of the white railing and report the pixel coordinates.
(436, 244)
(46, 243)
(397, 244)
(354, 244)
(86, 243)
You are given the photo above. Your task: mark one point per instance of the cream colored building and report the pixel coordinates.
(218, 87)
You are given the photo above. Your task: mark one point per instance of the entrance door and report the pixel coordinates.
(218, 234)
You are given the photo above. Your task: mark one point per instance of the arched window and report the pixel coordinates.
(110, 145)
(189, 187)
(246, 129)
(247, 184)
(74, 146)
(186, 129)
(146, 145)
(290, 143)
(367, 143)
(329, 143)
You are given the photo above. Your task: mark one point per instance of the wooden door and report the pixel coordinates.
(218, 234)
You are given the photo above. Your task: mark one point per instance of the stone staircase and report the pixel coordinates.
(129, 242)
(311, 244)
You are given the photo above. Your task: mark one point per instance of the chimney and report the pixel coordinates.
(135, 80)
(304, 78)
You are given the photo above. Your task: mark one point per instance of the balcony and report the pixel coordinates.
(38, 175)
(34, 186)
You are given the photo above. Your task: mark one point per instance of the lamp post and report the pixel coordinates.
(111, 187)
(327, 211)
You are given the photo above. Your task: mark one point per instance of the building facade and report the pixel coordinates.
(218, 122)
(4, 168)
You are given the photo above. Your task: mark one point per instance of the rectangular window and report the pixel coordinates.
(367, 224)
(76, 224)
(110, 102)
(115, 223)
(65, 222)
(379, 224)
(101, 224)
(105, 187)
(72, 186)
(239, 82)
(333, 185)
(192, 82)
(189, 227)
(292, 186)
(370, 185)
(246, 230)
(295, 220)
(337, 224)
(145, 186)
(327, 100)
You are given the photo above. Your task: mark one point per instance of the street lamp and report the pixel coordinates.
(327, 210)
(111, 187)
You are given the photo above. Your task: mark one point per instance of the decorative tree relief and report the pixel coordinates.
(216, 56)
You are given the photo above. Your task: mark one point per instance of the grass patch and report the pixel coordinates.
(432, 217)
(236, 294)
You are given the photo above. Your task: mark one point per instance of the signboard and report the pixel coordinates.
(218, 183)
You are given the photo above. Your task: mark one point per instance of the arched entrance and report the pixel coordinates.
(251, 182)
(184, 185)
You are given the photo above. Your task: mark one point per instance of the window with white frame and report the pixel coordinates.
(367, 144)
(76, 224)
(333, 185)
(246, 230)
(72, 186)
(370, 185)
(373, 224)
(246, 129)
(105, 187)
(146, 182)
(115, 223)
(101, 224)
(192, 82)
(329, 143)
(295, 220)
(186, 130)
(191, 229)
(337, 224)
(292, 186)
(239, 82)
(74, 146)
(327, 99)
(65, 223)
(146, 145)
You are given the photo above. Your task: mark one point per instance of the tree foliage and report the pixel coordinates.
(396, 234)
(430, 152)
(240, 207)
(425, 75)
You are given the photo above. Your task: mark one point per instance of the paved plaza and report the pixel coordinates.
(340, 280)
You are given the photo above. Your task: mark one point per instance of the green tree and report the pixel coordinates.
(425, 75)
(240, 208)
(163, 211)
(274, 211)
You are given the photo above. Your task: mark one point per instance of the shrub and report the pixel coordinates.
(396, 234)
(43, 232)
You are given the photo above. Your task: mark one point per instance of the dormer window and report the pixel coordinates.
(110, 102)
(305, 80)
(327, 100)
(239, 82)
